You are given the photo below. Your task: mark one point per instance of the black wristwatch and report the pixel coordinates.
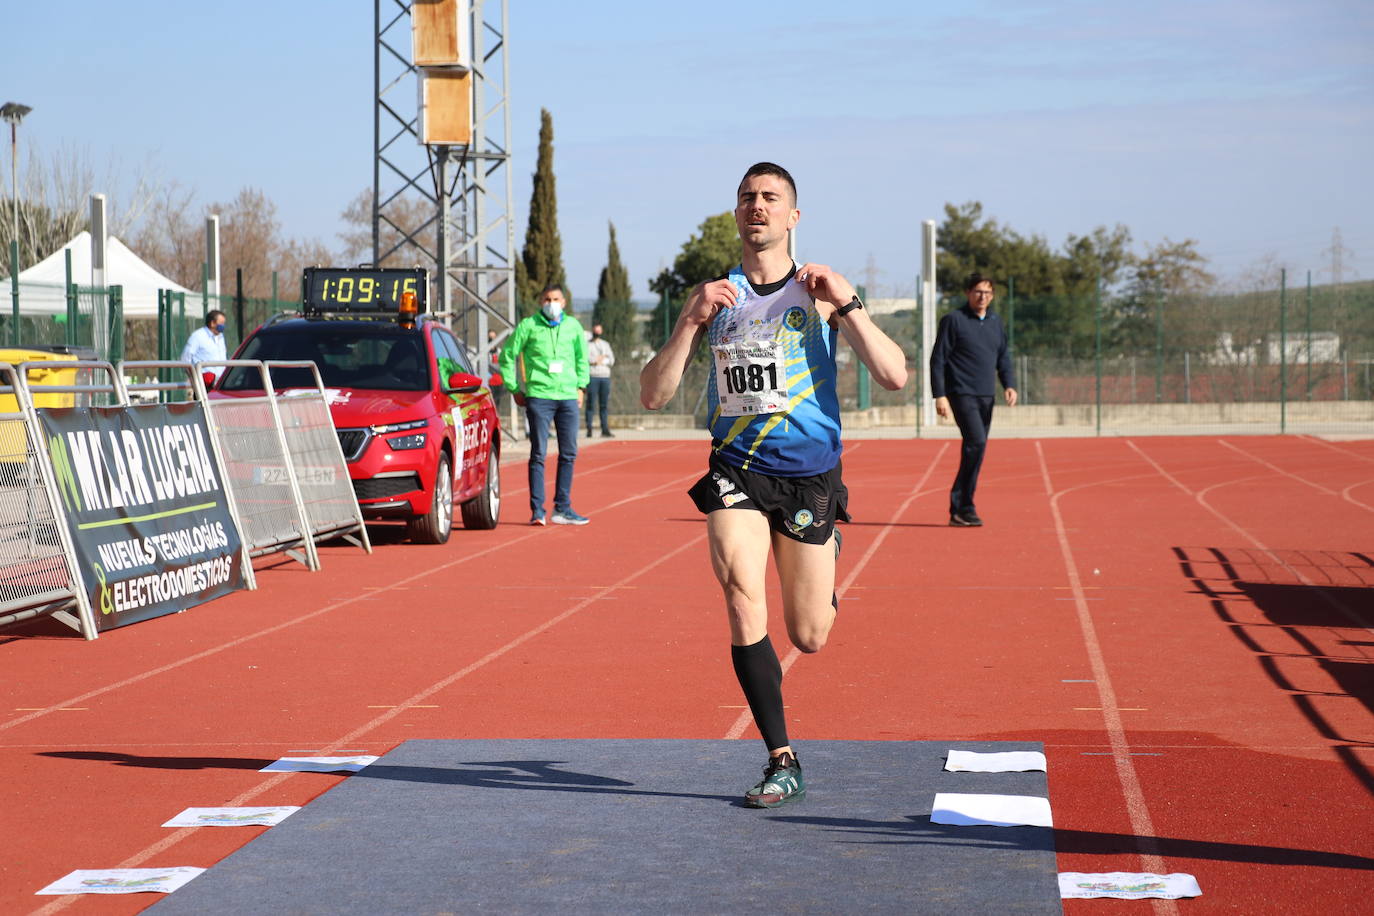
(846, 309)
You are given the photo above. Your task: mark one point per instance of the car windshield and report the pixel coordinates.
(380, 356)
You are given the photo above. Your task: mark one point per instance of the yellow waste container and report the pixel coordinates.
(38, 377)
(12, 437)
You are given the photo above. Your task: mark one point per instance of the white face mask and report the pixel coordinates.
(553, 311)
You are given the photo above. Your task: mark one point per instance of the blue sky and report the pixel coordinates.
(1248, 126)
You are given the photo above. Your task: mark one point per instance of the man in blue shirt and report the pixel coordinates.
(969, 356)
(207, 343)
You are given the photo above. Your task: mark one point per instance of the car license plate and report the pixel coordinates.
(275, 475)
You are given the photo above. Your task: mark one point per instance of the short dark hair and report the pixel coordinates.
(771, 168)
(974, 279)
(212, 316)
(550, 288)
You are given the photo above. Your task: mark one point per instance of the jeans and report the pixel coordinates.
(973, 414)
(599, 388)
(539, 413)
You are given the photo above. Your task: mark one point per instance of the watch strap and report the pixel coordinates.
(853, 304)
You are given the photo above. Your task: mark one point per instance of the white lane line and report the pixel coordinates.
(1278, 470)
(745, 718)
(1347, 452)
(522, 459)
(1200, 496)
(344, 602)
(1345, 494)
(272, 782)
(1142, 825)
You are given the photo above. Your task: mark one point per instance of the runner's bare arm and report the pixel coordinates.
(880, 353)
(659, 378)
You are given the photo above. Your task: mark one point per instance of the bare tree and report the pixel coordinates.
(250, 243)
(404, 216)
(168, 237)
(54, 201)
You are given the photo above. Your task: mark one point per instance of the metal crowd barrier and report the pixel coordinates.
(38, 573)
(331, 506)
(284, 462)
(183, 378)
(286, 479)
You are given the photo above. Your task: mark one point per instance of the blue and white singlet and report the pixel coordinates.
(773, 406)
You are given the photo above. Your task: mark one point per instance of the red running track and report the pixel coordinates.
(1184, 622)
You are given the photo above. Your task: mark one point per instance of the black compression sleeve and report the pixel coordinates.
(760, 676)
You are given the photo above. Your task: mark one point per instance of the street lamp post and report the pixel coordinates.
(14, 113)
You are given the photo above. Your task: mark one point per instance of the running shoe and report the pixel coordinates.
(569, 517)
(967, 519)
(782, 782)
(537, 520)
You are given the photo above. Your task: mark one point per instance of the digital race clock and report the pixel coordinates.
(362, 289)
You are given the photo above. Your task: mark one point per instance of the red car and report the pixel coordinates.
(418, 429)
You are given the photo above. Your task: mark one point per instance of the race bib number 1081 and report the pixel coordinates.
(750, 377)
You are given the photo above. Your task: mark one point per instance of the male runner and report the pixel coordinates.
(775, 449)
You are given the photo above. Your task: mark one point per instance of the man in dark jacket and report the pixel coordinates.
(969, 356)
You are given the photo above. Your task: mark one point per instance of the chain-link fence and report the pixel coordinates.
(181, 313)
(92, 321)
(1283, 358)
(1279, 359)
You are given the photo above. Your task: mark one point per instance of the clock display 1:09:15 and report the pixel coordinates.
(365, 290)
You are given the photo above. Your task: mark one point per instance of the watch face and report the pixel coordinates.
(362, 289)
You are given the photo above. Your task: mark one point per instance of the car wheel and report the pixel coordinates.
(434, 526)
(483, 511)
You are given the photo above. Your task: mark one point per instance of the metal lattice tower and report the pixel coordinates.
(448, 208)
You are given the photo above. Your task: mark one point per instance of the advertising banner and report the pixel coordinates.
(146, 504)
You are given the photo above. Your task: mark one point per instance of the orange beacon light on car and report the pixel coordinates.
(405, 314)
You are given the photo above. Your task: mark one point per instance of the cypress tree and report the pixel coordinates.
(615, 310)
(705, 256)
(542, 258)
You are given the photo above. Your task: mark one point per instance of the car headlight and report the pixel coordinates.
(401, 443)
(397, 427)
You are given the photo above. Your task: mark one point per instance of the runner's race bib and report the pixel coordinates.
(750, 377)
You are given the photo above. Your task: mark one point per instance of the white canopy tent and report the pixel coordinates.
(41, 287)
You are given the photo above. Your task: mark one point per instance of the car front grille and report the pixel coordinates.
(353, 442)
(382, 487)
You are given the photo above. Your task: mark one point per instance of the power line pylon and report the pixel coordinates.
(442, 183)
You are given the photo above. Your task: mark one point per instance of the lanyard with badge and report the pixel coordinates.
(751, 377)
(555, 365)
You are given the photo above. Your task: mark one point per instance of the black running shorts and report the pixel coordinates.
(802, 508)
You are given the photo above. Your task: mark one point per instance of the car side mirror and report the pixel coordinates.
(464, 382)
(208, 378)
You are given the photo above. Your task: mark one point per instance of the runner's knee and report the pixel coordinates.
(810, 637)
(741, 604)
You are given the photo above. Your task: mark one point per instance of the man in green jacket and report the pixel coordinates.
(553, 350)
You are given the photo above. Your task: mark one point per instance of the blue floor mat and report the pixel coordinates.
(627, 826)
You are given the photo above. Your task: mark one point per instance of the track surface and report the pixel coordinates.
(1184, 622)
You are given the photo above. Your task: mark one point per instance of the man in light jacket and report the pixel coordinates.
(602, 358)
